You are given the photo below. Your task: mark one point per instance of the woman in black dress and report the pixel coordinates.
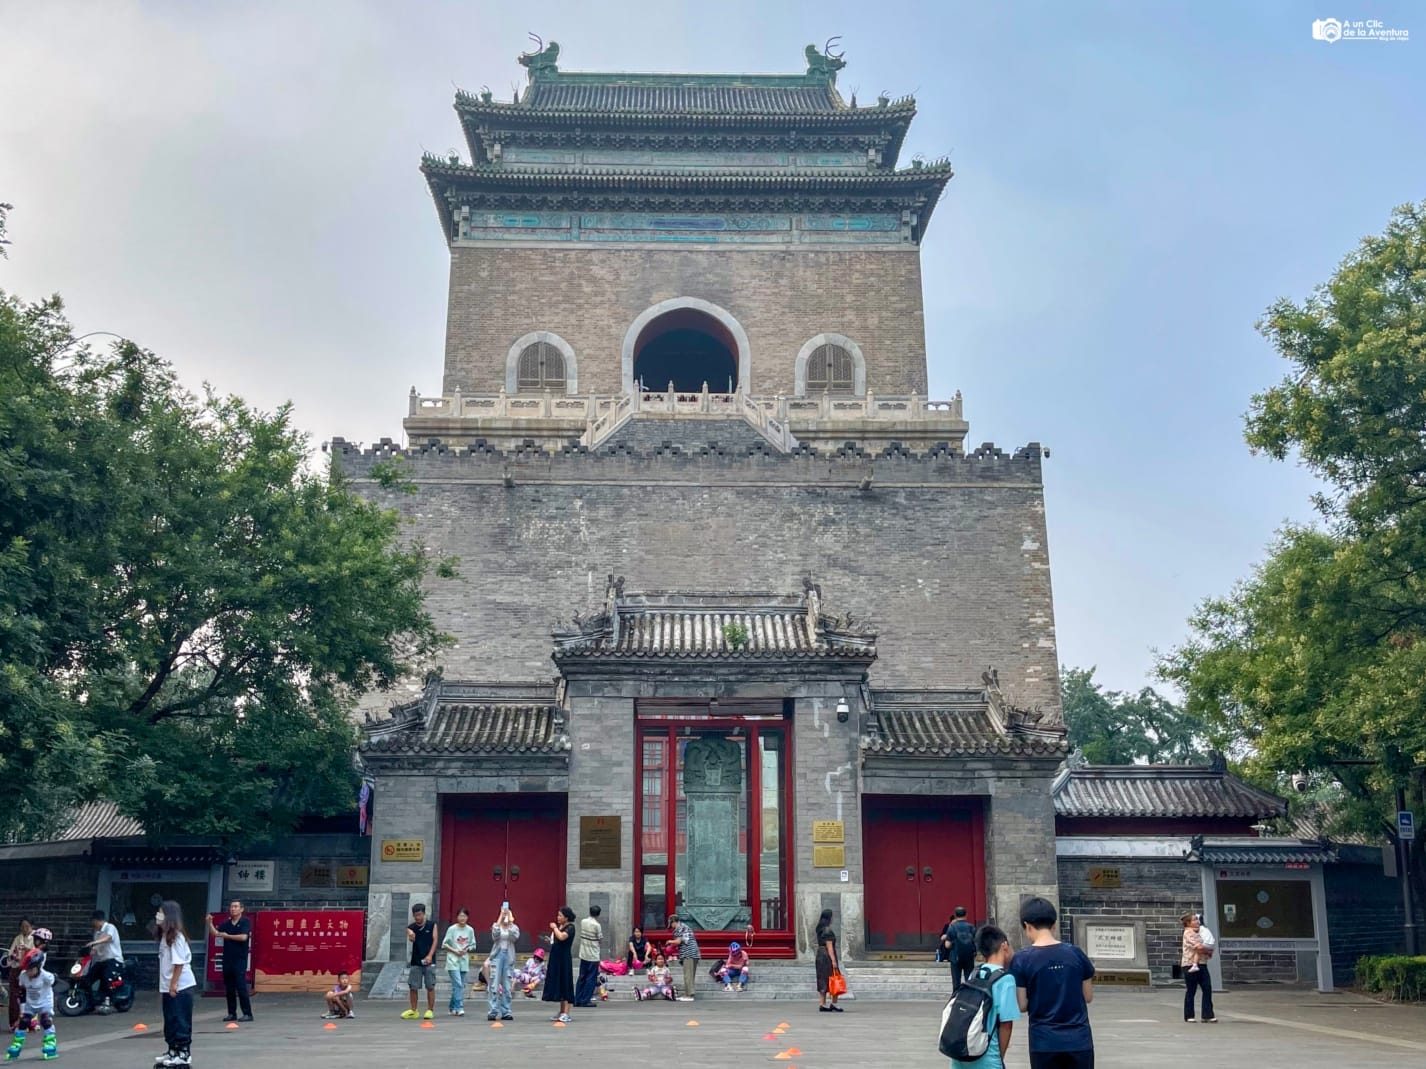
(559, 978)
(826, 940)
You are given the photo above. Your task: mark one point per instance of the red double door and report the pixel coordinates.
(503, 848)
(923, 858)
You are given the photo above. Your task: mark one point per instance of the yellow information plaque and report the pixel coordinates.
(829, 831)
(1105, 878)
(403, 849)
(829, 857)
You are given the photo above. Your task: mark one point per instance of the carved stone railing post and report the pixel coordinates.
(548, 408)
(704, 404)
(869, 405)
(415, 402)
(781, 408)
(956, 406)
(502, 407)
(671, 398)
(457, 409)
(915, 410)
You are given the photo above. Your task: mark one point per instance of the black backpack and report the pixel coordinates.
(968, 1018)
(965, 939)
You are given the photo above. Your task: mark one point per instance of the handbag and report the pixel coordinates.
(836, 984)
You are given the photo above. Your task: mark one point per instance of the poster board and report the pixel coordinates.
(304, 949)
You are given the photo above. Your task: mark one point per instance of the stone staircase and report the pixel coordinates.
(867, 980)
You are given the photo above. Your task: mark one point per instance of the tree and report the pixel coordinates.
(1112, 728)
(1316, 663)
(187, 614)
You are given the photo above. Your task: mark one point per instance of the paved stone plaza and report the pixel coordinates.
(1262, 1029)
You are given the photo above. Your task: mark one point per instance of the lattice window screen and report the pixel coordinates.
(541, 368)
(830, 369)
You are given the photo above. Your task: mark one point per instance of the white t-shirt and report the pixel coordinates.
(179, 957)
(113, 950)
(39, 992)
(1208, 938)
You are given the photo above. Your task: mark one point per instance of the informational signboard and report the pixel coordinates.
(1406, 825)
(316, 872)
(600, 842)
(1115, 944)
(829, 831)
(304, 949)
(250, 876)
(353, 875)
(829, 857)
(1105, 877)
(403, 849)
(1265, 909)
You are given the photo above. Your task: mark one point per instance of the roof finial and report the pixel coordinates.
(543, 60)
(825, 63)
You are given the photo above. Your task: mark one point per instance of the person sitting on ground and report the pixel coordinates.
(339, 999)
(735, 968)
(660, 983)
(530, 975)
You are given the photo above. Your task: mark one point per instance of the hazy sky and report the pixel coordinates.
(235, 186)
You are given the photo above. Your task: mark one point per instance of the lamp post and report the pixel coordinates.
(1403, 849)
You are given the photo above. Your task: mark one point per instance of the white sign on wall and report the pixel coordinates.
(252, 875)
(1114, 944)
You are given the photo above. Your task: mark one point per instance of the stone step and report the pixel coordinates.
(778, 980)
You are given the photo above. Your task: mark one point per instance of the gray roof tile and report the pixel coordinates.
(100, 820)
(682, 99)
(1164, 791)
(463, 728)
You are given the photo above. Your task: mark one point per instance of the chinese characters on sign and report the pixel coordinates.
(828, 831)
(303, 950)
(252, 875)
(403, 849)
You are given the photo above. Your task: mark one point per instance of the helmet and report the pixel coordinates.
(733, 948)
(43, 933)
(35, 959)
(539, 952)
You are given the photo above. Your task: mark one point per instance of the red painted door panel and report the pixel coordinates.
(535, 873)
(893, 890)
(951, 860)
(922, 861)
(494, 853)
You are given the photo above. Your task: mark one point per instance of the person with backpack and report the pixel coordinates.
(959, 940)
(1055, 985)
(977, 1021)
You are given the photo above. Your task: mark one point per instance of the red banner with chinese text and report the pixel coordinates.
(304, 949)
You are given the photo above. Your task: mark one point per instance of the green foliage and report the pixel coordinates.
(1399, 978)
(1317, 662)
(5, 210)
(187, 614)
(1112, 728)
(735, 635)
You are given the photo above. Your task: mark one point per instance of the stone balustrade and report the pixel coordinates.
(599, 411)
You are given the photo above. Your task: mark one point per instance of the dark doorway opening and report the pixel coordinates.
(687, 348)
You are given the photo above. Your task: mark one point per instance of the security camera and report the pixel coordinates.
(1300, 783)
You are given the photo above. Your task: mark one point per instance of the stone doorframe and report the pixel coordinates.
(648, 315)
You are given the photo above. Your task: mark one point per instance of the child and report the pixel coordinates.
(37, 1005)
(735, 968)
(994, 947)
(532, 974)
(660, 981)
(175, 983)
(339, 999)
(458, 944)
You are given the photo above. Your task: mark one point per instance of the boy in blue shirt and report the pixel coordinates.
(994, 947)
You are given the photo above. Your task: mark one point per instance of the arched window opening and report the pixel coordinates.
(541, 368)
(830, 369)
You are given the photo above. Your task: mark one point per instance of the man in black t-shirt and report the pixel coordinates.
(421, 934)
(959, 941)
(235, 936)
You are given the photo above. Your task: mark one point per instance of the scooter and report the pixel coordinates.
(84, 994)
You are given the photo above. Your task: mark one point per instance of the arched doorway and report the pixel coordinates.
(688, 342)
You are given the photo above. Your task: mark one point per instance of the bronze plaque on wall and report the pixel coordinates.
(599, 845)
(1105, 877)
(829, 857)
(829, 831)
